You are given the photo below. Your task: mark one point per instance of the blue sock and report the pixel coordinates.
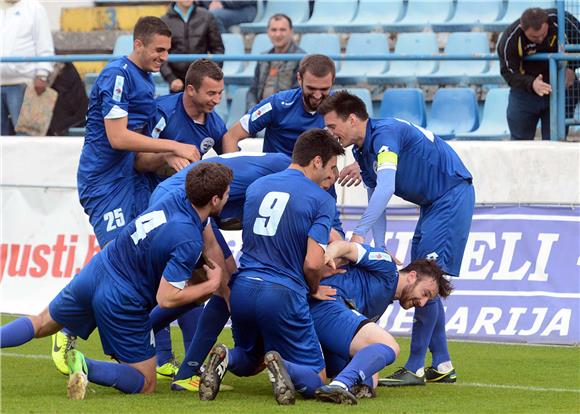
(241, 364)
(17, 332)
(67, 332)
(438, 344)
(305, 379)
(163, 349)
(123, 377)
(365, 363)
(211, 322)
(162, 317)
(423, 325)
(188, 324)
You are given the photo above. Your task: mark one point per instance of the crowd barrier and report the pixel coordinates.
(519, 280)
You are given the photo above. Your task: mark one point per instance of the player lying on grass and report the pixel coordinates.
(150, 262)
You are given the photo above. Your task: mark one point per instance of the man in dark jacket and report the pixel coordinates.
(275, 76)
(536, 31)
(195, 30)
(231, 12)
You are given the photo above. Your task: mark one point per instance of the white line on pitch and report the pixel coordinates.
(30, 356)
(516, 387)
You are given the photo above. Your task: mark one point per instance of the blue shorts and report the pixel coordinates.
(336, 325)
(94, 299)
(115, 205)
(267, 316)
(443, 228)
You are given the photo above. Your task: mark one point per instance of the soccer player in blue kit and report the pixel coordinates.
(346, 327)
(149, 262)
(397, 157)
(286, 226)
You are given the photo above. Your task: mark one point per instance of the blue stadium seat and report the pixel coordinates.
(372, 15)
(454, 111)
(234, 45)
(404, 103)
(222, 108)
(494, 124)
(470, 14)
(324, 43)
(514, 10)
(238, 106)
(297, 10)
(356, 71)
(453, 71)
(406, 72)
(123, 45)
(422, 14)
(491, 77)
(365, 95)
(327, 14)
(261, 44)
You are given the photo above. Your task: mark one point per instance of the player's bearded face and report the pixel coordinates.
(154, 53)
(418, 293)
(314, 89)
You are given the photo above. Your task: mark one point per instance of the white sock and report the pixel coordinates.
(420, 372)
(340, 384)
(445, 367)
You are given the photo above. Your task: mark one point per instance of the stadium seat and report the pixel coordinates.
(234, 45)
(327, 14)
(372, 15)
(324, 43)
(261, 44)
(238, 106)
(491, 77)
(365, 95)
(406, 71)
(404, 103)
(453, 71)
(297, 10)
(470, 14)
(494, 124)
(356, 71)
(123, 45)
(222, 108)
(421, 14)
(514, 10)
(454, 111)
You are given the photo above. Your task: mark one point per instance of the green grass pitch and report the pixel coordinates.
(492, 378)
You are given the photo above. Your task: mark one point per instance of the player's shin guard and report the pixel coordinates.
(365, 363)
(423, 325)
(438, 344)
(17, 332)
(211, 322)
(305, 379)
(123, 377)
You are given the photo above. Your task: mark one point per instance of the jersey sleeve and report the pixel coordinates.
(320, 230)
(114, 93)
(182, 262)
(261, 115)
(374, 259)
(386, 147)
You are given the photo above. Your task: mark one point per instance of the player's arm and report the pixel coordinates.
(152, 162)
(341, 249)
(121, 138)
(172, 295)
(213, 252)
(231, 138)
(313, 265)
(380, 227)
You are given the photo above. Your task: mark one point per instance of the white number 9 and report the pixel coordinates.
(271, 210)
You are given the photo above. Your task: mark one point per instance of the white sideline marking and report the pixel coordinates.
(516, 387)
(29, 356)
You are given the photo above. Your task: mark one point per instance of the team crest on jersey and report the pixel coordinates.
(118, 89)
(206, 144)
(380, 256)
(267, 107)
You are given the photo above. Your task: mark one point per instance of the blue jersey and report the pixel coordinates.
(426, 166)
(174, 123)
(166, 240)
(281, 212)
(370, 284)
(284, 117)
(122, 89)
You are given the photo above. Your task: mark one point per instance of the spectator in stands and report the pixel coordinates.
(230, 13)
(25, 32)
(536, 31)
(71, 105)
(274, 76)
(194, 30)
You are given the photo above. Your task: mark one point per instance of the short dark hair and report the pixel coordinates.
(200, 69)
(148, 26)
(533, 18)
(280, 16)
(429, 268)
(315, 142)
(317, 65)
(206, 180)
(344, 104)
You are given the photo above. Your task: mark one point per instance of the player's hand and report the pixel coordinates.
(350, 175)
(328, 271)
(324, 293)
(570, 77)
(214, 5)
(176, 85)
(40, 86)
(540, 87)
(187, 151)
(214, 274)
(175, 162)
(355, 238)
